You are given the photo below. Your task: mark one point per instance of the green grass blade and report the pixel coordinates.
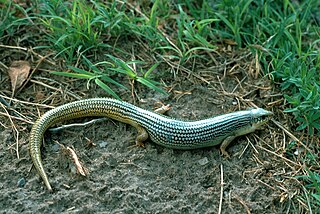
(106, 88)
(80, 71)
(73, 75)
(151, 85)
(150, 70)
(108, 79)
(124, 67)
(226, 21)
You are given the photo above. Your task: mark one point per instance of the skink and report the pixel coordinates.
(165, 131)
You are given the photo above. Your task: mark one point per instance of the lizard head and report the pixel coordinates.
(260, 117)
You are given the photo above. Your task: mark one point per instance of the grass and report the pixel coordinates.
(286, 33)
(101, 77)
(312, 187)
(10, 20)
(72, 28)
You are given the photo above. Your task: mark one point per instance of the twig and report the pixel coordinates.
(15, 129)
(181, 68)
(80, 168)
(26, 102)
(221, 189)
(72, 154)
(307, 197)
(133, 164)
(56, 89)
(265, 184)
(254, 148)
(243, 151)
(77, 124)
(11, 109)
(16, 118)
(280, 156)
(31, 50)
(291, 135)
(243, 203)
(163, 109)
(71, 209)
(14, 47)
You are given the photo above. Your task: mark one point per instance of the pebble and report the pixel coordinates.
(73, 170)
(55, 147)
(298, 151)
(21, 182)
(203, 161)
(103, 144)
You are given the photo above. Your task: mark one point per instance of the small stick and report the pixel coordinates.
(221, 189)
(31, 50)
(72, 154)
(265, 184)
(163, 109)
(80, 168)
(286, 159)
(14, 47)
(56, 89)
(243, 204)
(290, 134)
(15, 129)
(25, 102)
(16, 118)
(71, 208)
(251, 144)
(77, 124)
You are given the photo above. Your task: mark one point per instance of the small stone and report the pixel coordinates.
(203, 161)
(298, 151)
(103, 144)
(55, 147)
(73, 170)
(21, 182)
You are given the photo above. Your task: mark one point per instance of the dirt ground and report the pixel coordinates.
(127, 179)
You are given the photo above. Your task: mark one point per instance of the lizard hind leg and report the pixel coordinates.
(142, 136)
(226, 143)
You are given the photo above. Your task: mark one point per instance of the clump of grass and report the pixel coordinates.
(192, 36)
(312, 185)
(301, 77)
(71, 27)
(283, 30)
(77, 29)
(125, 68)
(102, 76)
(9, 21)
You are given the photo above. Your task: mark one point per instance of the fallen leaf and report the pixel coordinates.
(18, 73)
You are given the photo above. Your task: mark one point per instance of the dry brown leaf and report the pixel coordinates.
(18, 73)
